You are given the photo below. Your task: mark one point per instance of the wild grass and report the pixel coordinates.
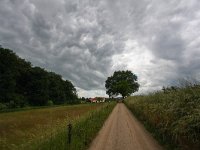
(20, 129)
(173, 116)
(83, 131)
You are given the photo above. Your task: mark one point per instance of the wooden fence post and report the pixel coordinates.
(69, 133)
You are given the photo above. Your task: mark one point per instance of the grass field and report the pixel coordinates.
(20, 129)
(172, 116)
(84, 131)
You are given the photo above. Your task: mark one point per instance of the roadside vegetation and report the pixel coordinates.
(83, 131)
(27, 129)
(171, 115)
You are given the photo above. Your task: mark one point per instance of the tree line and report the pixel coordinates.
(22, 84)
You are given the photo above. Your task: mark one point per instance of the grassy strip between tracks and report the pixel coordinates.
(83, 132)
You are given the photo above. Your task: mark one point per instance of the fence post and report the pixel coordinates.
(69, 133)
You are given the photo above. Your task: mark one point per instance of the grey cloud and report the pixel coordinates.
(168, 45)
(40, 27)
(79, 39)
(71, 6)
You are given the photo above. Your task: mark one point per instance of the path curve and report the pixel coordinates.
(122, 131)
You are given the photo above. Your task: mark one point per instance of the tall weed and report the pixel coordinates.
(172, 116)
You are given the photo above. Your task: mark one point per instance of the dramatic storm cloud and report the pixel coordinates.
(86, 41)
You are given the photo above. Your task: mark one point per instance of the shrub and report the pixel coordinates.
(50, 103)
(3, 106)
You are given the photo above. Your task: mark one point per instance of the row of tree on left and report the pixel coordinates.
(21, 84)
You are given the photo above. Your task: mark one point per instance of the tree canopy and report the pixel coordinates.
(122, 82)
(22, 84)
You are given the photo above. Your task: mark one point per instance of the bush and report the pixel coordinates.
(50, 103)
(3, 106)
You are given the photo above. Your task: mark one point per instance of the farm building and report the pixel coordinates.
(97, 100)
(93, 100)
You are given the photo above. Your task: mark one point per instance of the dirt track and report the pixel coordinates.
(122, 131)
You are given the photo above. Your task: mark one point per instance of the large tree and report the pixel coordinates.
(122, 82)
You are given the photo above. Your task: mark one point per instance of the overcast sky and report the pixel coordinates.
(87, 40)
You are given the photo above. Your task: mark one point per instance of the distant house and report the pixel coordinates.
(93, 100)
(98, 100)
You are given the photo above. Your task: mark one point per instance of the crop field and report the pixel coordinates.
(19, 130)
(172, 116)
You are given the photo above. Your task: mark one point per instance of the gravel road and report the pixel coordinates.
(122, 131)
